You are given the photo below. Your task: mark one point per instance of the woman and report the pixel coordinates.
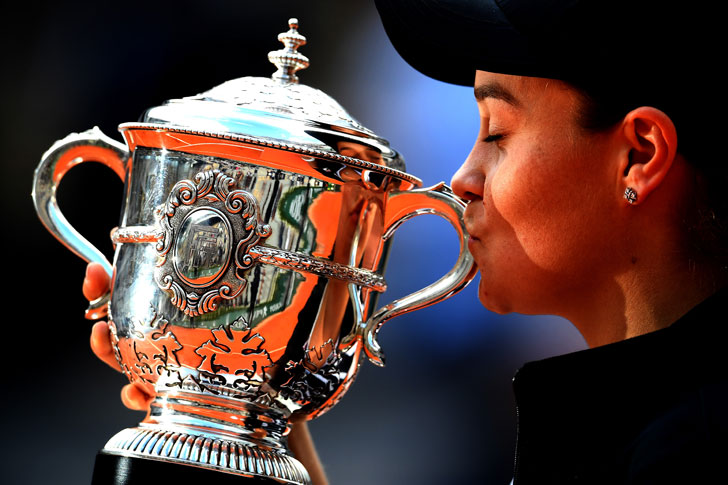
(596, 192)
(583, 204)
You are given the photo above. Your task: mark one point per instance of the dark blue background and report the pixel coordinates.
(442, 409)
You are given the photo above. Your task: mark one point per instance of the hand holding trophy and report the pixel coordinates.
(252, 244)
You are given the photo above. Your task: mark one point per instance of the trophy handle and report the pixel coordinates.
(402, 206)
(89, 146)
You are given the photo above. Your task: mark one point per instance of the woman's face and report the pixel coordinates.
(543, 197)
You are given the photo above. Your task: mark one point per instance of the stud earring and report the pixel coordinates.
(630, 195)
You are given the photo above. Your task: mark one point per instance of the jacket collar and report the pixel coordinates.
(690, 339)
(579, 411)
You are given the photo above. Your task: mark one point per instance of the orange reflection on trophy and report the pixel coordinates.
(348, 225)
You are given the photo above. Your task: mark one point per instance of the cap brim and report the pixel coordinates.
(448, 41)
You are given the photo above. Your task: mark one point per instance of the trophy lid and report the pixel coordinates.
(278, 111)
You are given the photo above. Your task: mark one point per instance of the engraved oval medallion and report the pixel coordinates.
(203, 247)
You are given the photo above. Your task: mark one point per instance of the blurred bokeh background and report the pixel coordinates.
(441, 411)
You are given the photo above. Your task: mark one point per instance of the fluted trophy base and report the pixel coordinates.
(111, 469)
(150, 454)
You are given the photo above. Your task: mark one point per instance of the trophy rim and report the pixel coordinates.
(274, 143)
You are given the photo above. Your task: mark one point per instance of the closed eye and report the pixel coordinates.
(492, 138)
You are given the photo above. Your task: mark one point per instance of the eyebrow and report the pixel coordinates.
(495, 90)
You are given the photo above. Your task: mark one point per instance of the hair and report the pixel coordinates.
(705, 219)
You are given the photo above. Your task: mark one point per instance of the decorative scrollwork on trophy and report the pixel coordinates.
(208, 227)
(235, 356)
(148, 351)
(314, 378)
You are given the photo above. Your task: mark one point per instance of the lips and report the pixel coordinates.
(470, 229)
(472, 241)
(472, 219)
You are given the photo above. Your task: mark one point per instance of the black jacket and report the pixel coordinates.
(648, 410)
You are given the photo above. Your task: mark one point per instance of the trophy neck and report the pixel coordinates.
(218, 417)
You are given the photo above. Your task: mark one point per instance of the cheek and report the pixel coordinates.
(523, 190)
(542, 207)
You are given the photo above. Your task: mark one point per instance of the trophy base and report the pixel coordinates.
(111, 469)
(185, 450)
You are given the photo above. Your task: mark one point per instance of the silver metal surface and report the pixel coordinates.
(438, 200)
(198, 449)
(208, 227)
(344, 160)
(288, 60)
(247, 266)
(318, 266)
(90, 146)
(278, 111)
(276, 257)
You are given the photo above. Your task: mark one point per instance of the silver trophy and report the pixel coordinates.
(250, 253)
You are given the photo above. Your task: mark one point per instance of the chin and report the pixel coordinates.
(493, 300)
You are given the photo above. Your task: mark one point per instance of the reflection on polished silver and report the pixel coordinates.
(319, 159)
(253, 240)
(289, 60)
(318, 266)
(266, 112)
(438, 200)
(138, 234)
(76, 148)
(276, 257)
(199, 449)
(206, 223)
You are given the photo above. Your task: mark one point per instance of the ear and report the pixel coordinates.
(651, 140)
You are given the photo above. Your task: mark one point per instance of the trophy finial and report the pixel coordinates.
(289, 60)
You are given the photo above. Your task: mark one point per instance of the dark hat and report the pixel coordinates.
(561, 39)
(635, 52)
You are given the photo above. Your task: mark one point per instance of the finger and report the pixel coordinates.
(96, 281)
(101, 344)
(135, 398)
(301, 444)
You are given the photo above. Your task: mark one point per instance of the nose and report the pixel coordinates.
(469, 181)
